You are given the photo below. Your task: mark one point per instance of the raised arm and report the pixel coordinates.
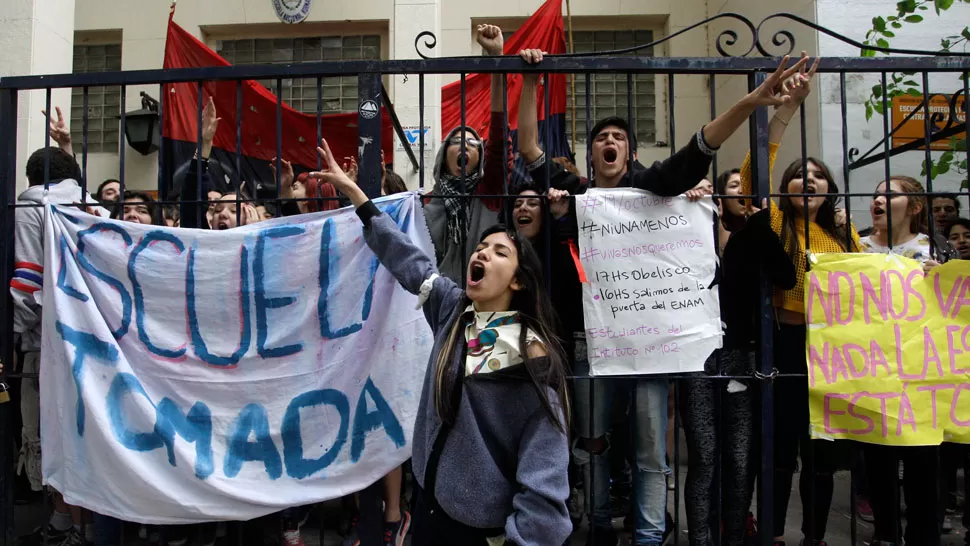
(59, 131)
(796, 88)
(528, 137)
(498, 148)
(407, 263)
(771, 92)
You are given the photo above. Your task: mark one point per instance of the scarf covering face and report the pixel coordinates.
(453, 188)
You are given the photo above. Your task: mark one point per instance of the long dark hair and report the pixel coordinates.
(730, 221)
(918, 222)
(155, 211)
(535, 313)
(824, 217)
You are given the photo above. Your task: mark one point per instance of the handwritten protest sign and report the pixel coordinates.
(888, 350)
(192, 375)
(649, 263)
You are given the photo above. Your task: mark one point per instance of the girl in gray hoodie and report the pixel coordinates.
(490, 450)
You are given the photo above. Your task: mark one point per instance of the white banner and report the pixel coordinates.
(193, 375)
(649, 262)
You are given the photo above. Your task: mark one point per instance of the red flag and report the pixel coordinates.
(182, 50)
(544, 30)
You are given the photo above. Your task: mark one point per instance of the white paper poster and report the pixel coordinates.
(649, 263)
(195, 375)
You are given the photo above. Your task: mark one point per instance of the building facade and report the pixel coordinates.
(57, 36)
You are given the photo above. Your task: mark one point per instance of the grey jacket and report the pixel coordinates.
(483, 212)
(504, 463)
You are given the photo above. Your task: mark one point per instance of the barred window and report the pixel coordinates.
(339, 93)
(608, 92)
(104, 103)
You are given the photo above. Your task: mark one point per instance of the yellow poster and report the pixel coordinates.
(888, 350)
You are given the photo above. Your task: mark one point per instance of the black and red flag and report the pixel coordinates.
(181, 114)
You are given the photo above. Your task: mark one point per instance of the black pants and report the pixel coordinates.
(435, 528)
(819, 458)
(921, 489)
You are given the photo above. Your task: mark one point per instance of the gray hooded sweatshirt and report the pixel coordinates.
(28, 277)
(488, 179)
(503, 463)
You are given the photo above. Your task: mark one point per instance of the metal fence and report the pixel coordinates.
(752, 64)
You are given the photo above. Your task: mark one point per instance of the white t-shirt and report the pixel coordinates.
(917, 248)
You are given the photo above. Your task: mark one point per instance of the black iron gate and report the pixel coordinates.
(754, 63)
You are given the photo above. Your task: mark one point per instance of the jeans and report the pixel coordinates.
(107, 530)
(648, 423)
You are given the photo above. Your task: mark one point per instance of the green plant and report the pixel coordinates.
(911, 12)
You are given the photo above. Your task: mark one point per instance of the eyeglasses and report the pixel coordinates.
(456, 140)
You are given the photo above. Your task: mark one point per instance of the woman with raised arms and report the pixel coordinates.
(490, 449)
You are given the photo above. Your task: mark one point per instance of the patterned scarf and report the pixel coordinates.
(452, 188)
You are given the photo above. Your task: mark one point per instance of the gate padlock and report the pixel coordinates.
(4, 393)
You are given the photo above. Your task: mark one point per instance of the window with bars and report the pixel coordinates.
(609, 92)
(104, 103)
(339, 93)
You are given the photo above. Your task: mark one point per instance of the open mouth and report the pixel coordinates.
(476, 273)
(878, 211)
(222, 224)
(809, 190)
(610, 155)
(524, 220)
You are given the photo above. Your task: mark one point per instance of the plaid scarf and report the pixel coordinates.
(452, 188)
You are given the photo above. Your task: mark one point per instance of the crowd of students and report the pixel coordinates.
(546, 456)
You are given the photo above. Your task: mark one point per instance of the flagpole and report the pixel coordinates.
(572, 77)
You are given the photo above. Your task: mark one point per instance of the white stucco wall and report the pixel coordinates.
(141, 25)
(853, 19)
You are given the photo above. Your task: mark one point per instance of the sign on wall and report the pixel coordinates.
(915, 127)
(212, 375)
(291, 11)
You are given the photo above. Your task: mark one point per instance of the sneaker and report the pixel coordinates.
(395, 532)
(575, 506)
(292, 537)
(72, 538)
(351, 538)
(751, 537)
(37, 536)
(603, 536)
(863, 509)
(947, 524)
